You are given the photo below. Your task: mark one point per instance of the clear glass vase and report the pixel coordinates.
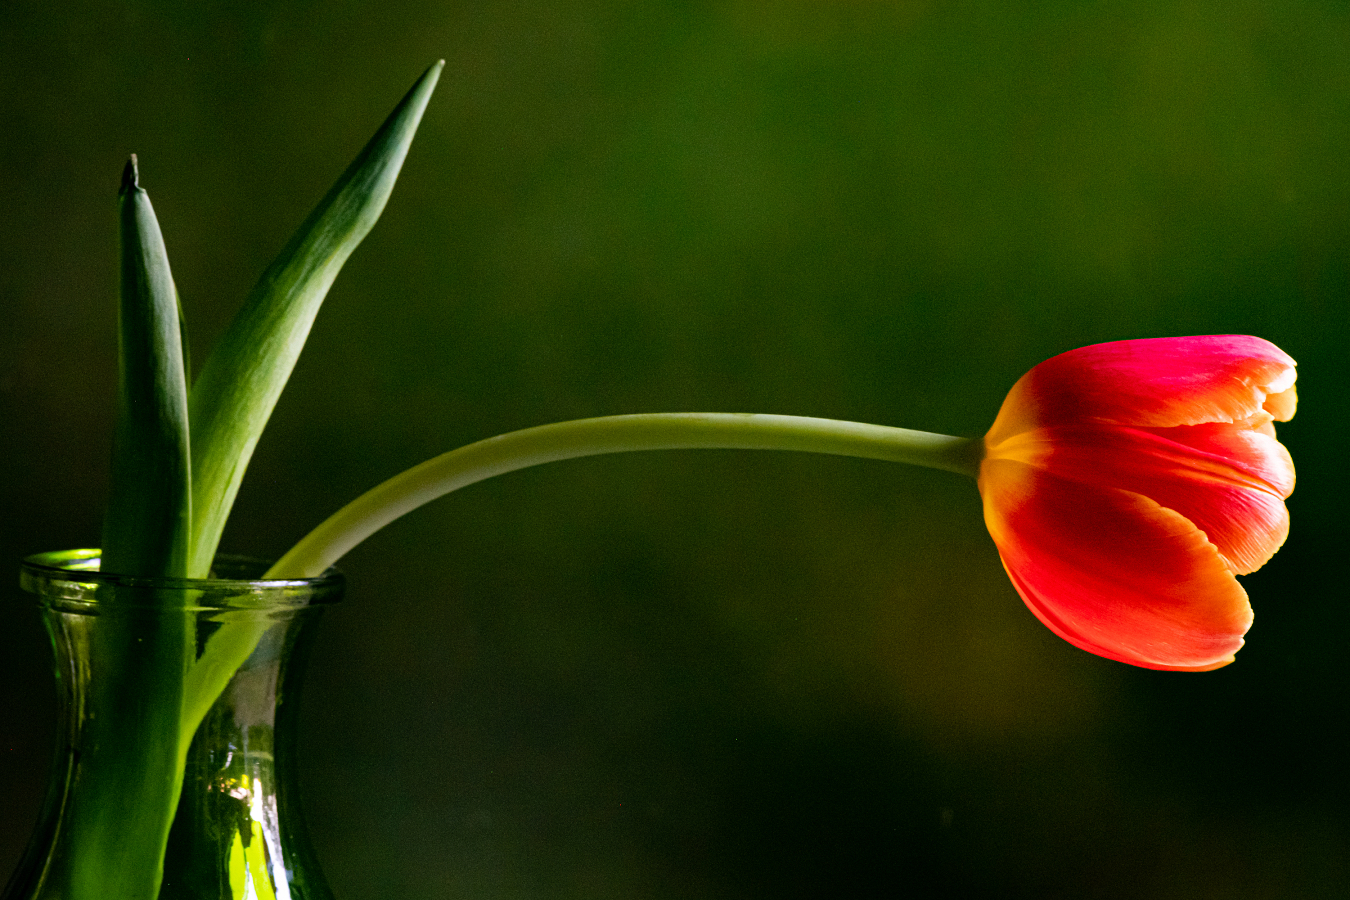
(174, 772)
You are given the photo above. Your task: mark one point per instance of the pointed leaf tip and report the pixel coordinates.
(238, 386)
(131, 176)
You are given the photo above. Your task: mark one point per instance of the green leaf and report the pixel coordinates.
(145, 531)
(244, 375)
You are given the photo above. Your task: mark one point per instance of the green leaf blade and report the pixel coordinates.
(242, 378)
(146, 528)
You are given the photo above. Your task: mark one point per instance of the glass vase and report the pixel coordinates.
(174, 775)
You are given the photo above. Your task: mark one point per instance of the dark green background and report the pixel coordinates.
(713, 675)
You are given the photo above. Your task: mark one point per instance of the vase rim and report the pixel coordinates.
(73, 578)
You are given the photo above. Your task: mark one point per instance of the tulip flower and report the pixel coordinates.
(1126, 484)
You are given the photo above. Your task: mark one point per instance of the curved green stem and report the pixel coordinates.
(436, 477)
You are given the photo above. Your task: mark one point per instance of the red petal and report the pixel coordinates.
(1112, 572)
(1252, 451)
(1228, 480)
(1158, 382)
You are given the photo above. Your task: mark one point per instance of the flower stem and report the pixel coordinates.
(403, 493)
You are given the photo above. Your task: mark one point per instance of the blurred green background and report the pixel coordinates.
(713, 675)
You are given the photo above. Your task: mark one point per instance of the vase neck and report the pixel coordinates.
(174, 771)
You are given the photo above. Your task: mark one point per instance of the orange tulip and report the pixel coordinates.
(1126, 484)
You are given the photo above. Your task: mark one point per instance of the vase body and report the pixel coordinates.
(174, 772)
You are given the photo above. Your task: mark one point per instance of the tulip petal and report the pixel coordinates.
(1254, 452)
(1228, 480)
(1282, 405)
(1113, 572)
(1157, 382)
